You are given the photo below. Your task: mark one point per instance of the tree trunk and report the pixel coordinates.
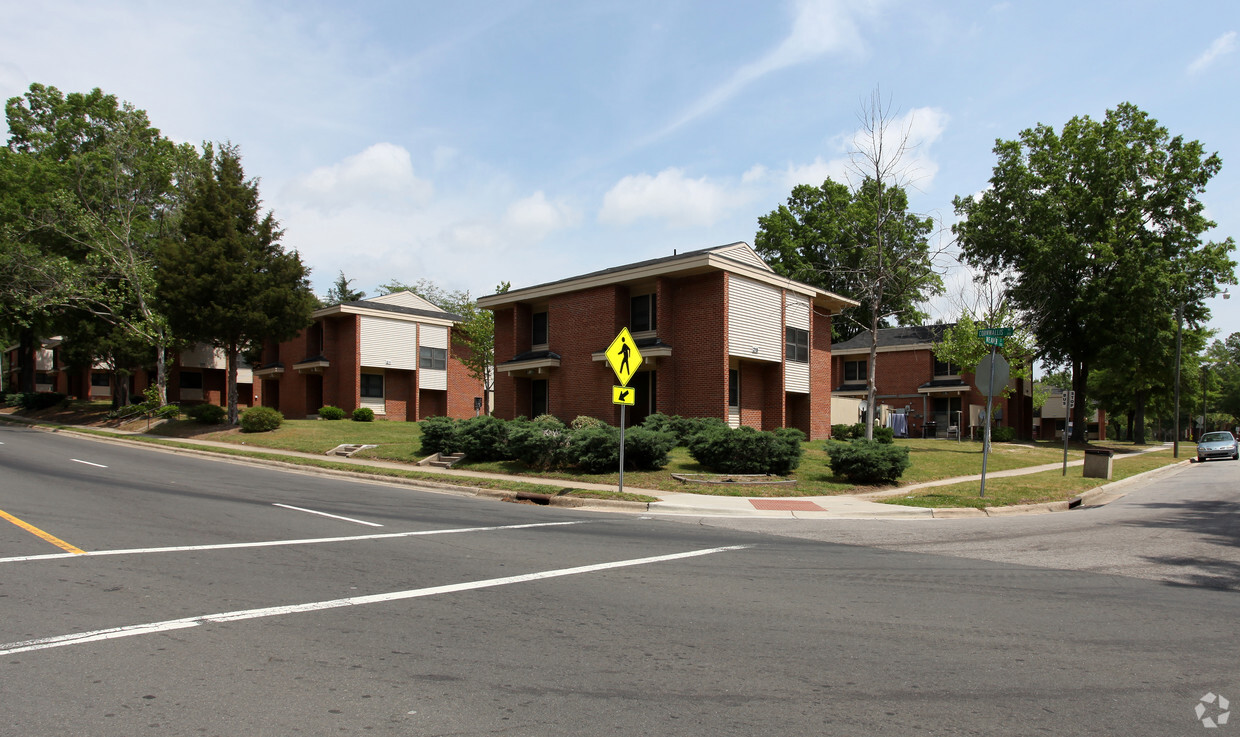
(232, 352)
(1080, 376)
(161, 373)
(27, 354)
(871, 391)
(1136, 419)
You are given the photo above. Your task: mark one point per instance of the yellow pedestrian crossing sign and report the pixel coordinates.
(625, 395)
(623, 356)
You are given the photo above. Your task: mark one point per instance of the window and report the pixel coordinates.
(734, 388)
(945, 368)
(538, 332)
(191, 380)
(644, 313)
(432, 358)
(538, 397)
(372, 386)
(855, 371)
(101, 380)
(796, 344)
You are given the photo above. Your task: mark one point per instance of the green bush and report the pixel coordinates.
(646, 449)
(746, 450)
(841, 432)
(538, 443)
(35, 401)
(884, 435)
(328, 412)
(681, 427)
(581, 421)
(207, 414)
(260, 419)
(1002, 434)
(439, 435)
(868, 461)
(594, 449)
(363, 414)
(483, 438)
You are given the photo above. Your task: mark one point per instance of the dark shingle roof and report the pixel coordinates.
(367, 304)
(890, 337)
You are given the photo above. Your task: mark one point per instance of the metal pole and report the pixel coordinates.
(990, 392)
(1179, 328)
(1067, 416)
(621, 489)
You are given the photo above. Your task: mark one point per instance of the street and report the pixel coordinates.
(149, 592)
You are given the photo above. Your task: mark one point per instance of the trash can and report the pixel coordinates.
(1098, 464)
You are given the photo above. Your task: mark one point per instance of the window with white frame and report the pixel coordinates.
(435, 359)
(796, 344)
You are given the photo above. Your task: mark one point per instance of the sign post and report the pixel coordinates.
(1069, 403)
(624, 358)
(993, 337)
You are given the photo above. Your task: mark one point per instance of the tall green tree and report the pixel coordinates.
(97, 192)
(341, 292)
(1097, 231)
(227, 280)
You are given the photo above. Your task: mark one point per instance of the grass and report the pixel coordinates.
(931, 460)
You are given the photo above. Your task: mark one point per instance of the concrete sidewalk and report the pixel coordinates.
(843, 506)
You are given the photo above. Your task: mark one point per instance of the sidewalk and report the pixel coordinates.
(844, 506)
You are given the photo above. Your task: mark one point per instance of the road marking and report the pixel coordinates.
(151, 628)
(277, 543)
(88, 463)
(73, 550)
(325, 514)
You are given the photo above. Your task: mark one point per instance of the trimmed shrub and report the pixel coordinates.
(328, 412)
(483, 438)
(581, 421)
(538, 443)
(884, 435)
(207, 414)
(438, 435)
(697, 425)
(260, 419)
(681, 427)
(1002, 434)
(868, 462)
(363, 414)
(646, 449)
(746, 450)
(841, 432)
(35, 401)
(594, 449)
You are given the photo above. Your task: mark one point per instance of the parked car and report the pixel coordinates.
(1220, 444)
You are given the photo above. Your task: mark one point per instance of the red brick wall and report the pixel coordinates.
(398, 393)
(820, 377)
(341, 347)
(506, 388)
(462, 388)
(432, 403)
(698, 381)
(580, 324)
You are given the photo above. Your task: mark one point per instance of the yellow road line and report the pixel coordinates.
(40, 533)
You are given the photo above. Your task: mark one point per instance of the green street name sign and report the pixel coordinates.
(994, 333)
(991, 340)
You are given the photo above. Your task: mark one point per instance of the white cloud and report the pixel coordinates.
(1222, 46)
(535, 216)
(670, 196)
(381, 177)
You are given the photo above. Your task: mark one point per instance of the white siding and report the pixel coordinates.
(742, 252)
(734, 417)
(389, 343)
(754, 320)
(796, 315)
(405, 299)
(434, 336)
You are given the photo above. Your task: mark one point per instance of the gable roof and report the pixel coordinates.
(889, 339)
(737, 258)
(400, 305)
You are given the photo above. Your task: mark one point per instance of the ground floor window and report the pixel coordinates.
(539, 404)
(372, 386)
(100, 380)
(191, 380)
(734, 388)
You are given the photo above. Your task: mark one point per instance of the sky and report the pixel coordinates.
(472, 143)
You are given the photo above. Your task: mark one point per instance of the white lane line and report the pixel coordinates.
(88, 463)
(78, 638)
(325, 514)
(277, 543)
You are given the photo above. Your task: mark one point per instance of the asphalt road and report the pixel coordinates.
(145, 592)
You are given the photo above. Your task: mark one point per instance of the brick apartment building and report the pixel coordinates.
(937, 398)
(721, 335)
(393, 354)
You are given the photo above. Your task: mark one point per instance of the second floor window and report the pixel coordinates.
(432, 358)
(855, 371)
(538, 331)
(945, 368)
(796, 344)
(643, 313)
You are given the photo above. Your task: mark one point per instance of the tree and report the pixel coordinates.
(97, 193)
(1096, 231)
(861, 241)
(341, 292)
(227, 280)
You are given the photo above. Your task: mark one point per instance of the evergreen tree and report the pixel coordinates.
(341, 292)
(227, 280)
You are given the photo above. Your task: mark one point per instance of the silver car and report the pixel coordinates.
(1217, 445)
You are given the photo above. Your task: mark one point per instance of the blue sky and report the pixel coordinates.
(476, 142)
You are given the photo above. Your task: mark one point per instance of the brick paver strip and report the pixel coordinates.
(785, 505)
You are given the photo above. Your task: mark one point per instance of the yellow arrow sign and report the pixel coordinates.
(623, 356)
(623, 395)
